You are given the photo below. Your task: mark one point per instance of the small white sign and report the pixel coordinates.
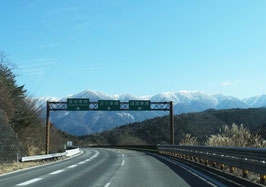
(69, 143)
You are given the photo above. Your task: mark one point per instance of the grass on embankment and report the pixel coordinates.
(6, 168)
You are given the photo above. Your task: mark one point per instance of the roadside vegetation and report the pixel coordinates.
(233, 136)
(9, 167)
(211, 127)
(25, 120)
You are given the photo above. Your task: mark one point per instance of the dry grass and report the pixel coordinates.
(5, 168)
(188, 139)
(236, 136)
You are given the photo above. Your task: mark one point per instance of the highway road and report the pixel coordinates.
(114, 167)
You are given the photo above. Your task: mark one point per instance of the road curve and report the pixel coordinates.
(111, 167)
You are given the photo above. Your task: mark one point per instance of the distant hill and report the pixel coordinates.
(83, 123)
(201, 125)
(261, 130)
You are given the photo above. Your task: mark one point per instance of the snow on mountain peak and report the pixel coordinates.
(181, 97)
(256, 101)
(184, 101)
(41, 101)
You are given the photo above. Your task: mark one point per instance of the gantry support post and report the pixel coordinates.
(47, 128)
(172, 123)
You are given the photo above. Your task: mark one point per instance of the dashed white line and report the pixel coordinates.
(81, 162)
(72, 166)
(39, 166)
(123, 162)
(123, 155)
(107, 184)
(56, 172)
(29, 182)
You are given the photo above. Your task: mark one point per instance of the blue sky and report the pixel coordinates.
(141, 47)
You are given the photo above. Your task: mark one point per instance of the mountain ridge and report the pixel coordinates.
(200, 125)
(82, 123)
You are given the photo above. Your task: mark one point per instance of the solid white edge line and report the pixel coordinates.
(56, 172)
(210, 183)
(107, 184)
(29, 182)
(20, 170)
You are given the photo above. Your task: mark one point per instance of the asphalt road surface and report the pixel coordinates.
(113, 167)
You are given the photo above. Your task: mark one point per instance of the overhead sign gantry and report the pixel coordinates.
(84, 104)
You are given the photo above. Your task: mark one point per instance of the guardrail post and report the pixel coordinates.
(206, 162)
(232, 169)
(245, 173)
(222, 166)
(262, 178)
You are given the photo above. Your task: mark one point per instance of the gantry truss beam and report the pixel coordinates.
(124, 106)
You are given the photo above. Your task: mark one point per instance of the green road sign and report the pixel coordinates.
(74, 104)
(139, 105)
(109, 105)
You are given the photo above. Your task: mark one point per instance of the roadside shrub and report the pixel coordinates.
(236, 136)
(188, 139)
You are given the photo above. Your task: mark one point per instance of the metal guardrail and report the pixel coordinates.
(247, 159)
(42, 157)
(151, 147)
(240, 152)
(50, 156)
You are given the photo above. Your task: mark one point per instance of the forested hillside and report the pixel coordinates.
(26, 129)
(200, 125)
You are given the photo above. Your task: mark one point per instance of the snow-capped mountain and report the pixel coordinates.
(82, 123)
(41, 101)
(227, 102)
(257, 101)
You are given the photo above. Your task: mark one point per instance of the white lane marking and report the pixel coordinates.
(193, 172)
(72, 166)
(123, 155)
(56, 172)
(29, 182)
(39, 166)
(107, 184)
(123, 162)
(81, 162)
(94, 156)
